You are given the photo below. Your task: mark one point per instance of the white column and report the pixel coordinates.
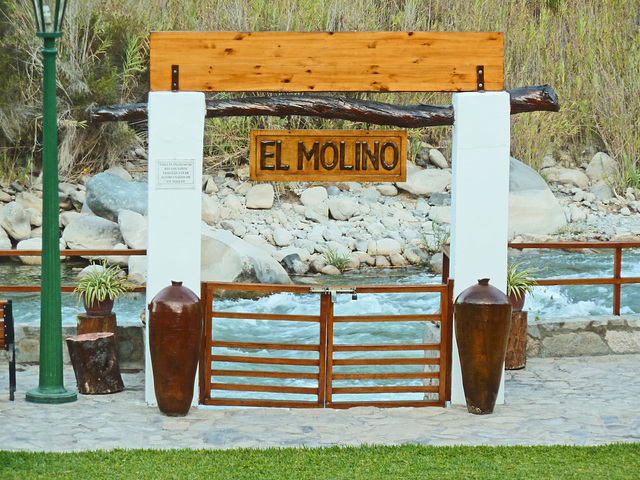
(176, 132)
(480, 200)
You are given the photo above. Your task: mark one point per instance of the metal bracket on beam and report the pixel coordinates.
(480, 78)
(175, 78)
(334, 291)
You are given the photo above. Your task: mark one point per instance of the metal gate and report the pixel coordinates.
(320, 367)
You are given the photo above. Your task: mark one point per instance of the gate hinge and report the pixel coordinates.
(175, 78)
(334, 291)
(480, 77)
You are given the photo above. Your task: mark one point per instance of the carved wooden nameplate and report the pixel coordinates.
(328, 155)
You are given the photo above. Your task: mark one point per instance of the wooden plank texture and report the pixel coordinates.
(326, 61)
(328, 155)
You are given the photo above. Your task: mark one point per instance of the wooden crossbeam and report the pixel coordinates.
(326, 61)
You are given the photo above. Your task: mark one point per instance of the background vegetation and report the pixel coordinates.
(588, 52)
(407, 462)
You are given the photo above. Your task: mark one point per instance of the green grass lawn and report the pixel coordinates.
(617, 461)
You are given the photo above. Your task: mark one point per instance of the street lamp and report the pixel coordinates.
(49, 15)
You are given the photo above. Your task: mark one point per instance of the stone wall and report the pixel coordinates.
(575, 336)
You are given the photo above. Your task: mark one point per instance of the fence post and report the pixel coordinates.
(617, 275)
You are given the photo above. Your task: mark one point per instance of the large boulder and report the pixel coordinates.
(15, 220)
(567, 176)
(602, 168)
(35, 244)
(107, 194)
(227, 258)
(133, 228)
(5, 241)
(424, 182)
(533, 209)
(91, 232)
(260, 196)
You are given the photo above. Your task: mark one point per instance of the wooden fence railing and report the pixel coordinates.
(617, 280)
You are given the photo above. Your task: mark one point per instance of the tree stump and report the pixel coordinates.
(94, 324)
(516, 357)
(94, 357)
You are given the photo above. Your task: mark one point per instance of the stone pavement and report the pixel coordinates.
(574, 401)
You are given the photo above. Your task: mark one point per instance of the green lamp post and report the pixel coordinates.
(49, 15)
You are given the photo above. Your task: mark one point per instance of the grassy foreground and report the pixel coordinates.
(617, 461)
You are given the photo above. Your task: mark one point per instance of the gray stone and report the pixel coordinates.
(533, 209)
(397, 260)
(424, 182)
(227, 258)
(34, 244)
(234, 226)
(566, 176)
(318, 212)
(35, 217)
(294, 264)
(233, 202)
(5, 197)
(382, 261)
(5, 241)
(260, 196)
(387, 189)
(15, 221)
(210, 210)
(602, 192)
(317, 264)
(435, 262)
(384, 246)
(440, 199)
(137, 269)
(78, 198)
(282, 237)
(437, 158)
(107, 194)
(210, 186)
(440, 214)
(313, 196)
(582, 343)
(330, 270)
(91, 232)
(414, 255)
(342, 208)
(133, 228)
(331, 232)
(67, 217)
(602, 168)
(29, 200)
(623, 341)
(332, 190)
(121, 172)
(119, 260)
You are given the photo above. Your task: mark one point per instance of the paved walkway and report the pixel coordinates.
(576, 401)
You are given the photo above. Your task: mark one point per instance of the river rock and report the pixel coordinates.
(137, 269)
(387, 189)
(437, 158)
(35, 216)
(133, 228)
(91, 232)
(121, 172)
(5, 241)
(602, 191)
(227, 258)
(282, 237)
(29, 200)
(15, 220)
(314, 196)
(119, 260)
(67, 217)
(78, 198)
(384, 246)
(424, 182)
(440, 214)
(260, 196)
(342, 208)
(533, 209)
(566, 176)
(35, 244)
(602, 168)
(294, 264)
(107, 194)
(210, 210)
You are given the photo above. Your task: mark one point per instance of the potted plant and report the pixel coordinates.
(100, 287)
(519, 283)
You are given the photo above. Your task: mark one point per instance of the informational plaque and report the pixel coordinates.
(329, 155)
(176, 173)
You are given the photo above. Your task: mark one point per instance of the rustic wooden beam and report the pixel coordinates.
(523, 99)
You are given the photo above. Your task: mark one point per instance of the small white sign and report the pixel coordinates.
(176, 173)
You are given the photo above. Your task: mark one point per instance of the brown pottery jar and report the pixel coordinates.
(175, 338)
(482, 320)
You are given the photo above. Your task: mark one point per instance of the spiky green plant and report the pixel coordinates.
(102, 283)
(336, 258)
(519, 280)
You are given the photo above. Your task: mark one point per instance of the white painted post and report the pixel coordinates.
(480, 201)
(176, 132)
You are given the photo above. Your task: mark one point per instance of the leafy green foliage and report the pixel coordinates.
(519, 280)
(613, 462)
(336, 258)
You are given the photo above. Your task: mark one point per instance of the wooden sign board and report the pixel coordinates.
(326, 61)
(329, 155)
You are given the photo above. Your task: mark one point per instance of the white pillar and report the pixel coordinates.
(176, 132)
(480, 200)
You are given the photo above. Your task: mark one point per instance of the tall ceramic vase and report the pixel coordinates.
(175, 337)
(482, 321)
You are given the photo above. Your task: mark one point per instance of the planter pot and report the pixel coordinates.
(517, 303)
(98, 309)
(175, 337)
(482, 321)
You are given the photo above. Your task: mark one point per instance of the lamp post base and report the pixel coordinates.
(51, 395)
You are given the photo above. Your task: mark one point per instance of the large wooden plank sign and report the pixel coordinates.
(328, 155)
(326, 61)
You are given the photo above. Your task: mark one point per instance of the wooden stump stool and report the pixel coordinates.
(94, 324)
(95, 362)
